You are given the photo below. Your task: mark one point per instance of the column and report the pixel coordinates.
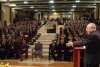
(96, 12)
(39, 15)
(42, 16)
(36, 15)
(11, 19)
(2, 15)
(73, 16)
(5, 14)
(99, 12)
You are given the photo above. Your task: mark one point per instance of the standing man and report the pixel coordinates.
(92, 44)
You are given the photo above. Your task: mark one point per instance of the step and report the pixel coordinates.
(43, 40)
(45, 51)
(47, 35)
(46, 39)
(29, 54)
(44, 46)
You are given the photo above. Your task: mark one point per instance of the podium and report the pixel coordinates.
(77, 56)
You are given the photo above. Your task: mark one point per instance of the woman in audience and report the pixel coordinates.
(22, 49)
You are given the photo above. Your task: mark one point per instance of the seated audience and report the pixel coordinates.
(53, 49)
(22, 49)
(3, 49)
(62, 50)
(13, 48)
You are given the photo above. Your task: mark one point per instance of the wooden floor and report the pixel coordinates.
(55, 64)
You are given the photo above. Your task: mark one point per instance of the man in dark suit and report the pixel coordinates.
(62, 48)
(92, 44)
(53, 49)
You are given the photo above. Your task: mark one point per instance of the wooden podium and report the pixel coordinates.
(77, 56)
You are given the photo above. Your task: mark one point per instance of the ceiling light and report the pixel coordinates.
(69, 16)
(36, 10)
(94, 3)
(51, 1)
(53, 10)
(72, 9)
(31, 7)
(73, 6)
(25, 2)
(12, 5)
(77, 1)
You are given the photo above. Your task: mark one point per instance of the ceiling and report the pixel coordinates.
(55, 5)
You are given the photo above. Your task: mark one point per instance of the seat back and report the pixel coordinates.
(38, 46)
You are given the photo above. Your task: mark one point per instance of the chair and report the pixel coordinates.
(37, 51)
(17, 54)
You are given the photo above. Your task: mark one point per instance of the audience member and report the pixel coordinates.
(53, 49)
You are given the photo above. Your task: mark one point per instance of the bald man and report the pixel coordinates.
(92, 44)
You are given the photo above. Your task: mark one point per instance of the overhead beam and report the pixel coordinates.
(49, 9)
(56, 2)
(22, 0)
(57, 7)
(55, 11)
(3, 0)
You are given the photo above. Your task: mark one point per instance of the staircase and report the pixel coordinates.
(46, 39)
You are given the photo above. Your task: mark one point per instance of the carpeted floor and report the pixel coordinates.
(39, 61)
(36, 63)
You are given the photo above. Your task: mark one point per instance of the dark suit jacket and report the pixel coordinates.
(51, 47)
(92, 50)
(62, 47)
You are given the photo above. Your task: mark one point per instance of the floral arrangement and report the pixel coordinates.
(4, 65)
